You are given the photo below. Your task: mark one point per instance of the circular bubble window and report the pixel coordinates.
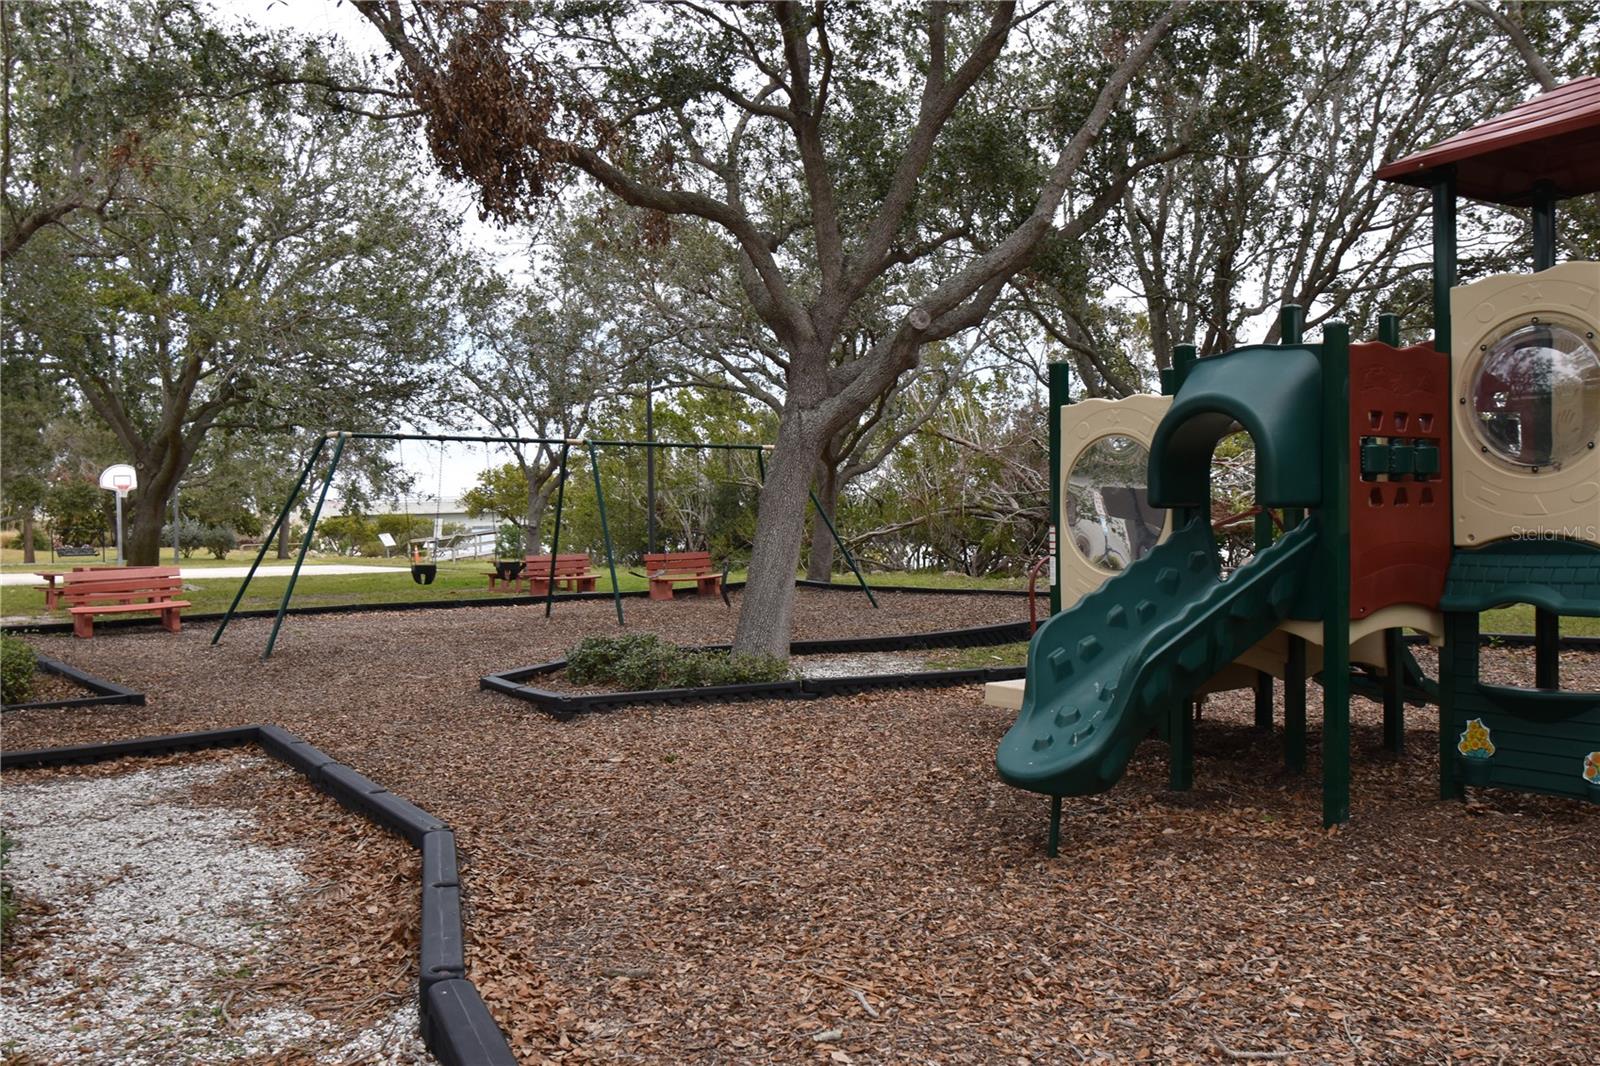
(1109, 517)
(1536, 395)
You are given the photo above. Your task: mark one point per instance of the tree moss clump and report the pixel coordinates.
(643, 661)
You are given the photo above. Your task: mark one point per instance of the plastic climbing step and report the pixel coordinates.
(1101, 674)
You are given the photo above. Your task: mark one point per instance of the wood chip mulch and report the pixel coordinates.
(342, 947)
(845, 880)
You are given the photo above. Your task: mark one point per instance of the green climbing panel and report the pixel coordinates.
(1102, 674)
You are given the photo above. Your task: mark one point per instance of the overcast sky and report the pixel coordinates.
(506, 248)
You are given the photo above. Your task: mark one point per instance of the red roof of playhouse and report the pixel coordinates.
(1554, 137)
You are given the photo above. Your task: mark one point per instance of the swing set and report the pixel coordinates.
(340, 438)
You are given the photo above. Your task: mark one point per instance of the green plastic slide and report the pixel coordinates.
(1102, 674)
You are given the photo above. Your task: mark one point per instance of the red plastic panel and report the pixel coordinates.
(1399, 523)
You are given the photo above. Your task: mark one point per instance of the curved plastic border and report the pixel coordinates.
(106, 693)
(565, 705)
(456, 1025)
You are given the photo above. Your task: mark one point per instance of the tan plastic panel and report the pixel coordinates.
(1005, 694)
(1494, 499)
(1366, 638)
(1082, 424)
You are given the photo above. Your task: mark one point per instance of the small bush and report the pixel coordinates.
(220, 540)
(17, 665)
(644, 661)
(191, 536)
(8, 905)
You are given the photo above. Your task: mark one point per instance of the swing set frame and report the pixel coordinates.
(340, 437)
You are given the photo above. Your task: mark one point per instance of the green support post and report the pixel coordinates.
(1180, 764)
(1444, 256)
(266, 542)
(848, 558)
(555, 537)
(1546, 649)
(1184, 357)
(605, 533)
(1544, 226)
(1052, 846)
(1291, 331)
(1335, 547)
(1263, 539)
(1291, 324)
(1294, 707)
(1394, 704)
(1458, 677)
(1060, 380)
(305, 545)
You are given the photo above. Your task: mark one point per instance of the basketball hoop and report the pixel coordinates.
(120, 479)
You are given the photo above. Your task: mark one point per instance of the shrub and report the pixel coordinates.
(17, 665)
(509, 541)
(8, 905)
(191, 536)
(220, 540)
(644, 661)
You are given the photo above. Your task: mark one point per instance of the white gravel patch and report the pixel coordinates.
(155, 896)
(857, 664)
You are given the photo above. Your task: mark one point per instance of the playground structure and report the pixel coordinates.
(1417, 487)
(551, 579)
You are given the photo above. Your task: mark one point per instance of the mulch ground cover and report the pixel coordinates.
(845, 879)
(48, 686)
(267, 924)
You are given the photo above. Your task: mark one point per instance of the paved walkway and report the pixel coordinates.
(196, 572)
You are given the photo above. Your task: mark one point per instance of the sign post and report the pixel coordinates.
(121, 480)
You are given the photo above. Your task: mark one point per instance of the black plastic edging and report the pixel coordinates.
(565, 705)
(456, 1025)
(923, 590)
(106, 693)
(1519, 640)
(116, 749)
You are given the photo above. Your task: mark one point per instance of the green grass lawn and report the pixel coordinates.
(11, 560)
(455, 581)
(465, 580)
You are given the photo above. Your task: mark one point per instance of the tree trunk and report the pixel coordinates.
(283, 540)
(141, 521)
(144, 513)
(537, 501)
(27, 537)
(766, 614)
(820, 566)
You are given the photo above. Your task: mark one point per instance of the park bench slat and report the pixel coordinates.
(135, 589)
(667, 569)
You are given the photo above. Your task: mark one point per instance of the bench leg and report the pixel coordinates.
(83, 625)
(538, 588)
(661, 590)
(587, 584)
(170, 621)
(709, 586)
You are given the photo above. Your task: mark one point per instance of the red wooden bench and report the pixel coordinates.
(669, 569)
(122, 590)
(574, 573)
(52, 591)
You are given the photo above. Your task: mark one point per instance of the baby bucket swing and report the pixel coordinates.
(425, 550)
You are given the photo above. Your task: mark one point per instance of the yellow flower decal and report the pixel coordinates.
(1591, 767)
(1475, 741)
